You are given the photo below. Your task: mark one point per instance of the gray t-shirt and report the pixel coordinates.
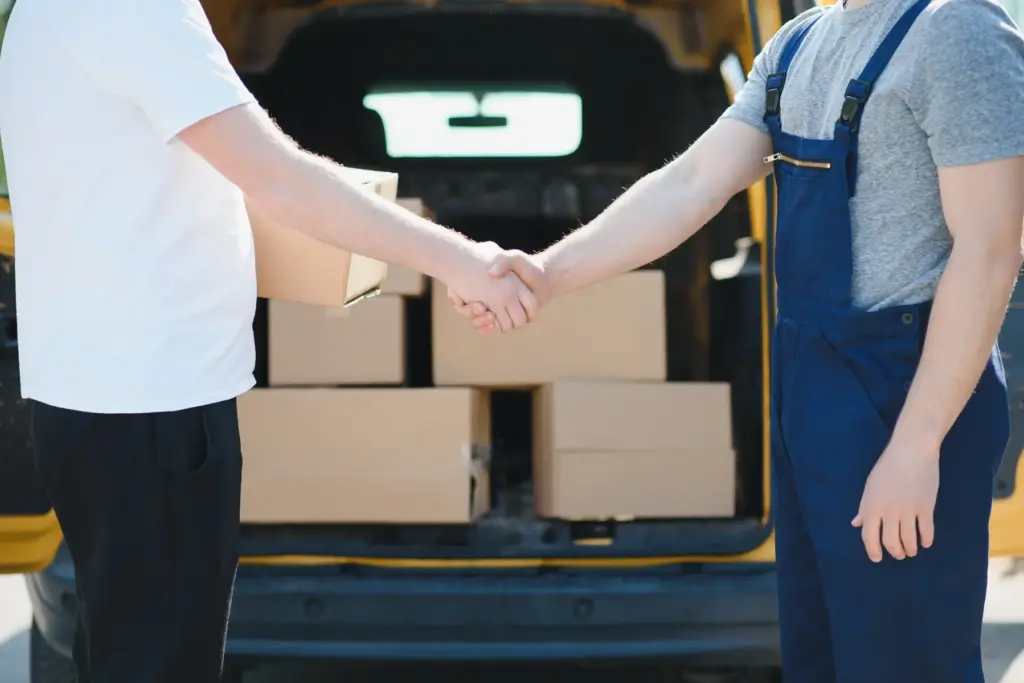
(952, 95)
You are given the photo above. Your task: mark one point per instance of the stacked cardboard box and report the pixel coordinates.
(316, 346)
(613, 439)
(615, 330)
(313, 345)
(319, 450)
(606, 450)
(413, 456)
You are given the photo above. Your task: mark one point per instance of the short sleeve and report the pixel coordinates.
(749, 104)
(967, 90)
(161, 55)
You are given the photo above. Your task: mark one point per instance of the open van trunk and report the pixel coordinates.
(337, 85)
(648, 77)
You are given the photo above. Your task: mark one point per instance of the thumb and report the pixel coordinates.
(502, 264)
(517, 262)
(857, 521)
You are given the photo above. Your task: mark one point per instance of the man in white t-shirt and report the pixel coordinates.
(130, 142)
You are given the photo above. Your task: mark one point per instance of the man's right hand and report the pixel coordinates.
(527, 270)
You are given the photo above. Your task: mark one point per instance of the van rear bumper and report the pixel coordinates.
(725, 615)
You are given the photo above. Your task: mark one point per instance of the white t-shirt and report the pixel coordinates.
(135, 275)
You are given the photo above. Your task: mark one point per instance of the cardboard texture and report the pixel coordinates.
(401, 456)
(614, 450)
(292, 266)
(615, 330)
(316, 346)
(400, 280)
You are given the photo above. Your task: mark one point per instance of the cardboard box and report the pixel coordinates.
(400, 280)
(615, 330)
(292, 266)
(401, 456)
(317, 346)
(615, 450)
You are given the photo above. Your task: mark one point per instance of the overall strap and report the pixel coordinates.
(789, 50)
(859, 89)
(775, 82)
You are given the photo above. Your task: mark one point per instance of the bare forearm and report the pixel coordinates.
(312, 196)
(664, 209)
(965, 320)
(650, 219)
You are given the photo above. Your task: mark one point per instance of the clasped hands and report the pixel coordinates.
(506, 293)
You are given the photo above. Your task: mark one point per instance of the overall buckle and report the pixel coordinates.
(773, 94)
(853, 103)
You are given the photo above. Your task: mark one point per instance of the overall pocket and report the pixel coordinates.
(883, 368)
(812, 236)
(831, 424)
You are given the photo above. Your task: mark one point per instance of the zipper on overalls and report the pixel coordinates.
(824, 165)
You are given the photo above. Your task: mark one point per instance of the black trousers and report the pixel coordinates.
(149, 507)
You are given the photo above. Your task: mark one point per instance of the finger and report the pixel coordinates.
(475, 309)
(908, 534)
(517, 313)
(455, 298)
(528, 301)
(492, 249)
(871, 535)
(486, 320)
(891, 537)
(926, 526)
(517, 262)
(504, 320)
(501, 266)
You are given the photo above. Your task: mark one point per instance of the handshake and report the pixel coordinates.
(500, 290)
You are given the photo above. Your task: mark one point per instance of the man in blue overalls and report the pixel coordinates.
(895, 129)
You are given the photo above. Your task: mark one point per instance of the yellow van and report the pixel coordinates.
(619, 87)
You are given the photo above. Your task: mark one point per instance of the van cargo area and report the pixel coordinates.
(638, 109)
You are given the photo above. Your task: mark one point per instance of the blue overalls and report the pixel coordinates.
(840, 377)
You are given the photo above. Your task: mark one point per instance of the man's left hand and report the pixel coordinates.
(899, 501)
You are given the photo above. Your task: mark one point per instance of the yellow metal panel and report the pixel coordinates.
(765, 553)
(6, 229)
(1006, 529)
(28, 544)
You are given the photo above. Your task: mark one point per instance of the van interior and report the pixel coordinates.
(516, 123)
